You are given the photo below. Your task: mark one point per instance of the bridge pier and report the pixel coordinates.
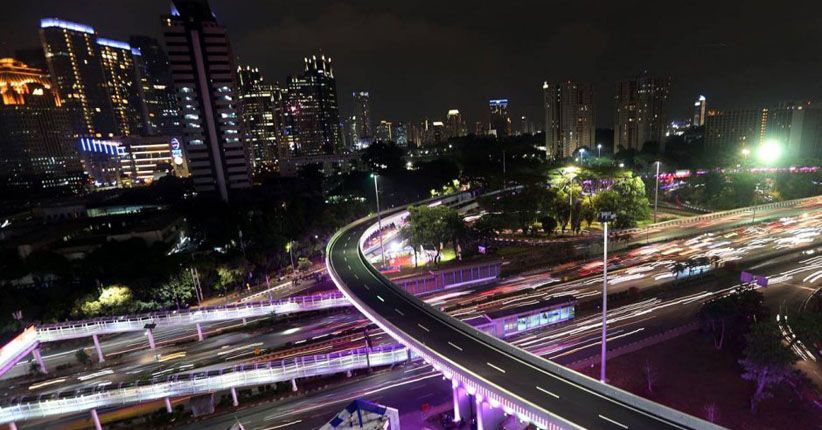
(96, 419)
(294, 385)
(12, 426)
(150, 336)
(39, 358)
(169, 408)
(99, 349)
(488, 417)
(462, 404)
(200, 335)
(234, 397)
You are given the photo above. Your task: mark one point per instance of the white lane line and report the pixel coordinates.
(613, 422)
(381, 299)
(496, 367)
(283, 425)
(423, 327)
(366, 287)
(455, 346)
(357, 276)
(399, 311)
(547, 392)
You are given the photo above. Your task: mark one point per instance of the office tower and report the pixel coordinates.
(526, 126)
(37, 150)
(261, 108)
(499, 120)
(796, 127)
(123, 85)
(437, 132)
(454, 125)
(362, 119)
(480, 128)
(641, 105)
(311, 117)
(204, 74)
(384, 132)
(401, 134)
(73, 56)
(162, 114)
(699, 112)
(569, 117)
(733, 128)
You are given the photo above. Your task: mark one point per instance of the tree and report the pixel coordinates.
(433, 227)
(734, 310)
(548, 223)
(112, 300)
(178, 290)
(383, 157)
(227, 277)
(767, 360)
(82, 357)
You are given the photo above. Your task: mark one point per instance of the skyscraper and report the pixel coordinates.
(123, 85)
(454, 125)
(73, 56)
(204, 73)
(384, 132)
(569, 117)
(499, 121)
(261, 107)
(311, 116)
(37, 150)
(162, 114)
(641, 106)
(733, 128)
(699, 112)
(362, 119)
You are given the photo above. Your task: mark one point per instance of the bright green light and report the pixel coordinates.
(769, 151)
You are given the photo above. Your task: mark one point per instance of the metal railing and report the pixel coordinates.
(201, 382)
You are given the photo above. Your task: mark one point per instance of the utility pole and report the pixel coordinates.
(379, 218)
(504, 180)
(604, 218)
(656, 191)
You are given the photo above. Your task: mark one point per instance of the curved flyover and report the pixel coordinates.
(499, 376)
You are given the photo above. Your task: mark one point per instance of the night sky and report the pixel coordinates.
(420, 58)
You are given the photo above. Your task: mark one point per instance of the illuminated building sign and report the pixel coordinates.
(111, 147)
(176, 151)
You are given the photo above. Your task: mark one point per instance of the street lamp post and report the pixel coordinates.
(604, 218)
(656, 191)
(599, 150)
(571, 172)
(379, 218)
(291, 256)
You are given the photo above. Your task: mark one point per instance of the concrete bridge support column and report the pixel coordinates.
(488, 417)
(96, 419)
(39, 358)
(169, 408)
(150, 336)
(462, 404)
(294, 385)
(200, 335)
(100, 356)
(12, 426)
(234, 398)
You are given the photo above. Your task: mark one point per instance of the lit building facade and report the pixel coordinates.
(261, 108)
(454, 124)
(384, 132)
(37, 149)
(74, 61)
(123, 85)
(641, 108)
(569, 117)
(361, 120)
(700, 106)
(734, 128)
(499, 120)
(204, 74)
(161, 114)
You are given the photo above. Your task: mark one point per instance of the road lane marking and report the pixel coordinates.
(381, 299)
(613, 422)
(423, 327)
(547, 392)
(496, 367)
(357, 276)
(399, 311)
(366, 287)
(455, 346)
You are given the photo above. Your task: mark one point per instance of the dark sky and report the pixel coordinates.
(420, 58)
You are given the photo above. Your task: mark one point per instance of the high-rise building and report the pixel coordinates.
(569, 117)
(700, 105)
(641, 106)
(123, 85)
(363, 131)
(796, 127)
(75, 66)
(733, 128)
(499, 120)
(454, 125)
(261, 108)
(384, 132)
(401, 135)
(37, 149)
(161, 113)
(437, 132)
(204, 74)
(311, 116)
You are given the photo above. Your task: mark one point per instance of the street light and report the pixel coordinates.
(571, 172)
(379, 217)
(288, 247)
(656, 191)
(769, 151)
(604, 218)
(599, 150)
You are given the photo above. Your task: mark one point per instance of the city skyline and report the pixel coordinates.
(707, 59)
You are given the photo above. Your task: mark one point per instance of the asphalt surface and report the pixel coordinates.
(528, 378)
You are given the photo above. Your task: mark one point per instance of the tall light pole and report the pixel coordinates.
(571, 173)
(289, 246)
(599, 150)
(503, 170)
(604, 218)
(656, 191)
(379, 217)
